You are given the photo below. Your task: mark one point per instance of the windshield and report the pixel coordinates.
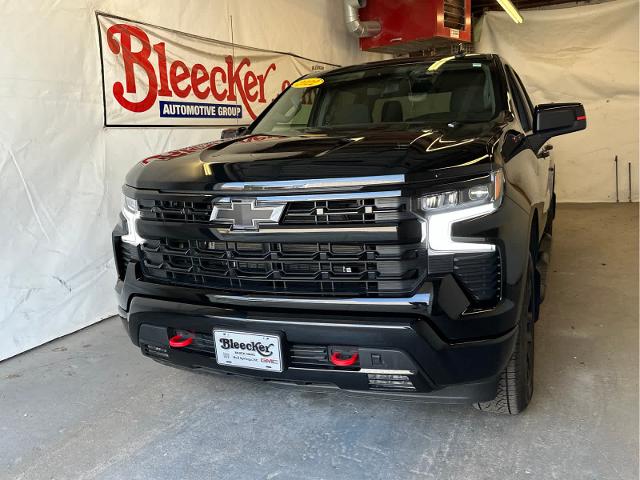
(449, 90)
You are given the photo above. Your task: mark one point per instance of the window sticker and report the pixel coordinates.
(308, 82)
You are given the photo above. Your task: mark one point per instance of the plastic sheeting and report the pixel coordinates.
(61, 170)
(587, 54)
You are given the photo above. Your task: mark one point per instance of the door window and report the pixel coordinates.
(522, 107)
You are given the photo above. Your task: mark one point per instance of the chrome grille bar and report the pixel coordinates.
(349, 183)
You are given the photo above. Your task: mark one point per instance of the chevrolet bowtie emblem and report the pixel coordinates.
(246, 213)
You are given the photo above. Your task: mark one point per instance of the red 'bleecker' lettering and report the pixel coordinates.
(258, 138)
(164, 91)
(234, 79)
(180, 152)
(199, 75)
(177, 78)
(131, 59)
(218, 71)
(246, 83)
(262, 78)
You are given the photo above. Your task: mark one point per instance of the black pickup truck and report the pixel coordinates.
(381, 227)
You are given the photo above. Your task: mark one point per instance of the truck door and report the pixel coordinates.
(545, 155)
(542, 162)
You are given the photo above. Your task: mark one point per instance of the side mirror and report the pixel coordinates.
(229, 133)
(552, 119)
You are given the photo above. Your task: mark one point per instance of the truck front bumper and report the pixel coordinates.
(400, 352)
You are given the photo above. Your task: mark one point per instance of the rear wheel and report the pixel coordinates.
(515, 384)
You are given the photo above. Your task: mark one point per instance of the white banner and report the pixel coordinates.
(154, 76)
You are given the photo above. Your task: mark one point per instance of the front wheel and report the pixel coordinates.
(515, 384)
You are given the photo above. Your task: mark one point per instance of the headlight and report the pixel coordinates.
(131, 214)
(442, 210)
(464, 198)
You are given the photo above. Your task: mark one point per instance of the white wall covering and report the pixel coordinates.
(61, 171)
(587, 54)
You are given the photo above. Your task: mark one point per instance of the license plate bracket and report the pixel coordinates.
(254, 351)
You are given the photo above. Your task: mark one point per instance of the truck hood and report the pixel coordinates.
(419, 154)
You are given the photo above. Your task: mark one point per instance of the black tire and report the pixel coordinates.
(515, 384)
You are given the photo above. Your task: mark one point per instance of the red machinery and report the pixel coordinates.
(416, 25)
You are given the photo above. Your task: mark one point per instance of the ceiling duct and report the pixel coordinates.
(362, 29)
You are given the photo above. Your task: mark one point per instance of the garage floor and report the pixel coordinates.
(89, 406)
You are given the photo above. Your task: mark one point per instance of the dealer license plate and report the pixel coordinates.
(248, 350)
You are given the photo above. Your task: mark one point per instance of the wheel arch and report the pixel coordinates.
(534, 242)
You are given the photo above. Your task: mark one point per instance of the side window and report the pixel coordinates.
(524, 91)
(522, 107)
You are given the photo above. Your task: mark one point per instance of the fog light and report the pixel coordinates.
(154, 351)
(390, 382)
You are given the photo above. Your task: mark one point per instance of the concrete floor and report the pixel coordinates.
(89, 406)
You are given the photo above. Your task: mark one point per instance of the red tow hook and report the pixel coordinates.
(336, 359)
(180, 340)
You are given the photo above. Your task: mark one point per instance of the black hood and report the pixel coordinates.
(419, 154)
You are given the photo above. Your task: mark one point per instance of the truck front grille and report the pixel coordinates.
(355, 211)
(359, 269)
(175, 210)
(181, 249)
(351, 211)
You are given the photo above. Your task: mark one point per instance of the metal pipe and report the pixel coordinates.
(629, 182)
(617, 194)
(361, 29)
